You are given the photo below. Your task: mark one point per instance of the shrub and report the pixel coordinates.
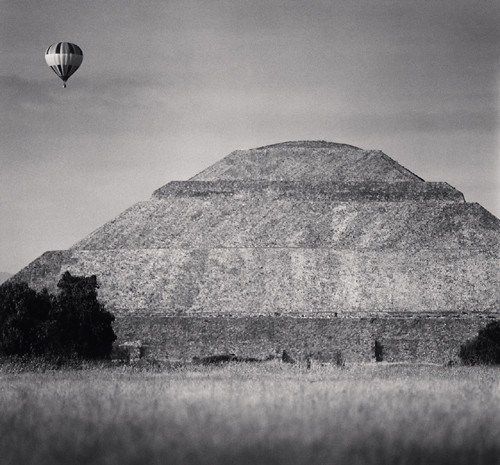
(339, 359)
(484, 349)
(71, 324)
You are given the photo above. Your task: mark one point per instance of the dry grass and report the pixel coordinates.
(252, 414)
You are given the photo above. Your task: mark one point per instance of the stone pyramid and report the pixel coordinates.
(309, 246)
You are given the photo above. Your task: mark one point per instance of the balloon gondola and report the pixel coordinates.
(64, 58)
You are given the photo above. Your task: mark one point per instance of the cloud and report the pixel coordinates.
(86, 107)
(424, 122)
(16, 92)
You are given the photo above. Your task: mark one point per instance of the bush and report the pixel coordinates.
(484, 349)
(71, 324)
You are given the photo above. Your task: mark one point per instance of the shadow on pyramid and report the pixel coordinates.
(311, 246)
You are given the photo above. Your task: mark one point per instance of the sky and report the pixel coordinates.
(168, 87)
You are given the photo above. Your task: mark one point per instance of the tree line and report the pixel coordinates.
(70, 324)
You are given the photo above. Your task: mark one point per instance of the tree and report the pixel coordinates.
(25, 326)
(84, 326)
(484, 349)
(71, 324)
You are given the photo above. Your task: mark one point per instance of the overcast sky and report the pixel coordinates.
(168, 87)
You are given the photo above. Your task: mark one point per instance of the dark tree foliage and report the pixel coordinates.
(83, 324)
(484, 349)
(25, 324)
(71, 324)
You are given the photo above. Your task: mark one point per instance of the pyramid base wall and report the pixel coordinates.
(416, 339)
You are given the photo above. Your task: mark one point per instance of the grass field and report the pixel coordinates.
(252, 414)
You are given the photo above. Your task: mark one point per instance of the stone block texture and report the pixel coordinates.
(311, 247)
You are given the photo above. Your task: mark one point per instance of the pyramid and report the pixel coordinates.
(311, 247)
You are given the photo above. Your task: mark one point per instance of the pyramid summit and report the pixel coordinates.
(307, 161)
(311, 247)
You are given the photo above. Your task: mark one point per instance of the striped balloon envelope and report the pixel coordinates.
(64, 58)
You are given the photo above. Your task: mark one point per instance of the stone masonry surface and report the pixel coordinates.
(311, 247)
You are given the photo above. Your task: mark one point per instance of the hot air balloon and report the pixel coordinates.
(64, 59)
